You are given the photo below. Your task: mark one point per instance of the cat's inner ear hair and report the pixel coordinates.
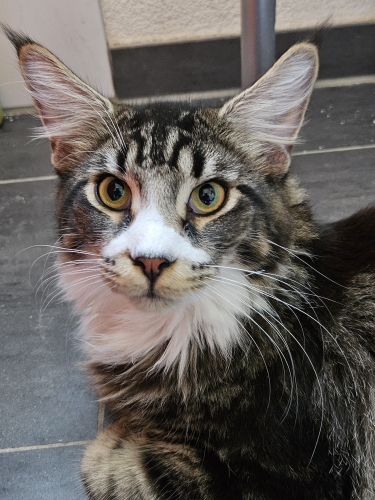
(73, 114)
(272, 110)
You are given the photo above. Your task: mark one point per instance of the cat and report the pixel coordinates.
(230, 335)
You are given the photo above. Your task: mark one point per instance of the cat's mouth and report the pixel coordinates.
(151, 301)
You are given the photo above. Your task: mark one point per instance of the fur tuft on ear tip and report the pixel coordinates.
(18, 39)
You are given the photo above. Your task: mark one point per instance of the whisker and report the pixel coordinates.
(63, 291)
(243, 313)
(304, 262)
(313, 368)
(322, 327)
(256, 345)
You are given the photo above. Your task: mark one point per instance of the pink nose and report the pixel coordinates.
(151, 267)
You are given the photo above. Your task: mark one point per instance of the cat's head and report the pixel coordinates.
(163, 205)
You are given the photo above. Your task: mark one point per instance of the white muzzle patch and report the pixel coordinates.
(148, 236)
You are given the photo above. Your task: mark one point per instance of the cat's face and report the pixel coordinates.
(162, 203)
(166, 215)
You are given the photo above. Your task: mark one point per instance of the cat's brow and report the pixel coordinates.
(121, 158)
(140, 141)
(198, 163)
(182, 141)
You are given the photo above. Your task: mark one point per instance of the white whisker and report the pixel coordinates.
(307, 356)
(248, 334)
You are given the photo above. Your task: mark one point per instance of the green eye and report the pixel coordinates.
(114, 193)
(207, 198)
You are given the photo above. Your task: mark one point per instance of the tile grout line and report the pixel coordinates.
(45, 446)
(297, 153)
(29, 179)
(346, 81)
(333, 150)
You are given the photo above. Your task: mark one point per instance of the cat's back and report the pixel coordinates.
(344, 274)
(346, 248)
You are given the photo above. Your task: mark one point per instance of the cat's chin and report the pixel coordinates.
(154, 303)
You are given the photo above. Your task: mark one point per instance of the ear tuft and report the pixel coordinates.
(272, 110)
(17, 39)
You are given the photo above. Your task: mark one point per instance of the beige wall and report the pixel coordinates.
(72, 29)
(143, 22)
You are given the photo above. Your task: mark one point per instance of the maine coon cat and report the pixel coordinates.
(230, 335)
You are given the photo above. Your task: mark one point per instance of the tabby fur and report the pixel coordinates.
(245, 370)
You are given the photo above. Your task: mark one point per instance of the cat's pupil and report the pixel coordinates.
(207, 194)
(115, 190)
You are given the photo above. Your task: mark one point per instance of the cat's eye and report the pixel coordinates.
(207, 198)
(114, 193)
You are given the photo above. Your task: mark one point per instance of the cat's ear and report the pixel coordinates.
(272, 110)
(74, 115)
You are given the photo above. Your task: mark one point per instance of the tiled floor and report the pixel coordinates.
(47, 411)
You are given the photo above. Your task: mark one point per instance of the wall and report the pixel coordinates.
(71, 29)
(146, 22)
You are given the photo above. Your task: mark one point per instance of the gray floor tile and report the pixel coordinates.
(21, 156)
(51, 474)
(45, 393)
(340, 117)
(338, 184)
(336, 117)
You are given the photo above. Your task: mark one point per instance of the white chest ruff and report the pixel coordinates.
(114, 331)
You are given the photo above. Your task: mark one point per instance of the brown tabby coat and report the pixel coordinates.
(241, 366)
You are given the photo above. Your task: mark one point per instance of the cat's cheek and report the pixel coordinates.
(81, 281)
(182, 279)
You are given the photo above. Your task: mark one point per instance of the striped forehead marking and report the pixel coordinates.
(162, 142)
(183, 141)
(198, 163)
(140, 142)
(172, 137)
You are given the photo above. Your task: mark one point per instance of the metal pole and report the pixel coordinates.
(257, 39)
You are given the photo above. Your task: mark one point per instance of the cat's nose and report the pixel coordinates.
(152, 267)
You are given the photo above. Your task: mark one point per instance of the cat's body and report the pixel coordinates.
(236, 428)
(231, 337)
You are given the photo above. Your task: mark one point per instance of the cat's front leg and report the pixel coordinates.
(115, 467)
